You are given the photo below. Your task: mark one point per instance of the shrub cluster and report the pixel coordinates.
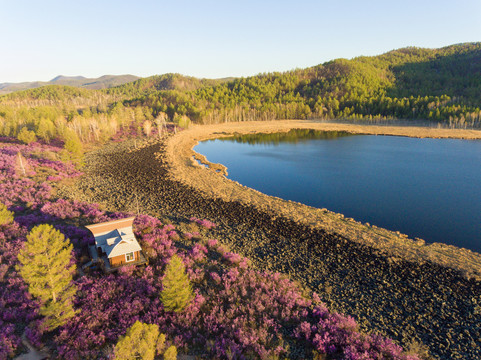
(234, 311)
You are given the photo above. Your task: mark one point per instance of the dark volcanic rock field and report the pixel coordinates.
(403, 300)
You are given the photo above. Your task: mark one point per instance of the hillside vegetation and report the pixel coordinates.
(217, 304)
(102, 82)
(205, 300)
(438, 85)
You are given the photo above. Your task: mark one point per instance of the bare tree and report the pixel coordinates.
(160, 120)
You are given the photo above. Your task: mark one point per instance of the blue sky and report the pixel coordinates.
(42, 39)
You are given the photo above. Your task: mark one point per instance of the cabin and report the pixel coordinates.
(115, 244)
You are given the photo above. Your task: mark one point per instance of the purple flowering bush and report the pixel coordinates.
(237, 312)
(24, 173)
(205, 223)
(16, 305)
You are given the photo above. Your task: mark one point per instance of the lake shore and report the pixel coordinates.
(180, 156)
(403, 297)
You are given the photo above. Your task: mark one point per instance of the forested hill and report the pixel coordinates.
(439, 85)
(102, 82)
(410, 83)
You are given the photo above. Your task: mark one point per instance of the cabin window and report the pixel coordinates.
(129, 257)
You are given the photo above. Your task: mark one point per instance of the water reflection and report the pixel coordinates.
(293, 136)
(427, 188)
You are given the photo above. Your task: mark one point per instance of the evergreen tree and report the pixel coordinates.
(45, 129)
(26, 136)
(182, 120)
(160, 347)
(46, 269)
(138, 343)
(170, 353)
(177, 291)
(73, 147)
(6, 217)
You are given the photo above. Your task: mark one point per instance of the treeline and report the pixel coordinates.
(443, 85)
(58, 96)
(151, 84)
(439, 85)
(89, 124)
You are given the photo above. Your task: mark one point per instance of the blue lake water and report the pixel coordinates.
(426, 188)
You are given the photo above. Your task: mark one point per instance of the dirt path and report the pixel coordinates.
(33, 354)
(184, 168)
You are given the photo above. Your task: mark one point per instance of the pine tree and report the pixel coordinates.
(170, 353)
(138, 343)
(26, 136)
(177, 291)
(45, 129)
(46, 269)
(182, 121)
(73, 147)
(6, 216)
(160, 347)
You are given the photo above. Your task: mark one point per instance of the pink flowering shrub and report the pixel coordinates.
(337, 335)
(237, 312)
(64, 209)
(232, 258)
(205, 223)
(16, 305)
(212, 243)
(20, 179)
(108, 305)
(188, 236)
(198, 252)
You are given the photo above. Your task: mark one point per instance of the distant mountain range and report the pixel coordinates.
(103, 82)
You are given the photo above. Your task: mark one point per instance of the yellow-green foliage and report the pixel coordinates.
(160, 344)
(182, 120)
(45, 267)
(72, 142)
(6, 217)
(170, 353)
(73, 147)
(138, 343)
(177, 290)
(45, 129)
(26, 136)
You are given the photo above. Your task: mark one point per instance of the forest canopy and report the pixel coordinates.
(439, 85)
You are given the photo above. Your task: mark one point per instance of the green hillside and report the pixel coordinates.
(411, 83)
(102, 82)
(438, 85)
(162, 82)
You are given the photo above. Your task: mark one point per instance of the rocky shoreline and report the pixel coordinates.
(405, 300)
(180, 156)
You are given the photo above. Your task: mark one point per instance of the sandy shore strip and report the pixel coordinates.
(184, 168)
(400, 299)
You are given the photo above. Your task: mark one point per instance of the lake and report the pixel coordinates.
(426, 188)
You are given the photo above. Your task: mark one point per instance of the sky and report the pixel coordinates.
(213, 39)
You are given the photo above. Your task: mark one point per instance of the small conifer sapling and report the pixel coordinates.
(177, 290)
(6, 216)
(139, 342)
(45, 267)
